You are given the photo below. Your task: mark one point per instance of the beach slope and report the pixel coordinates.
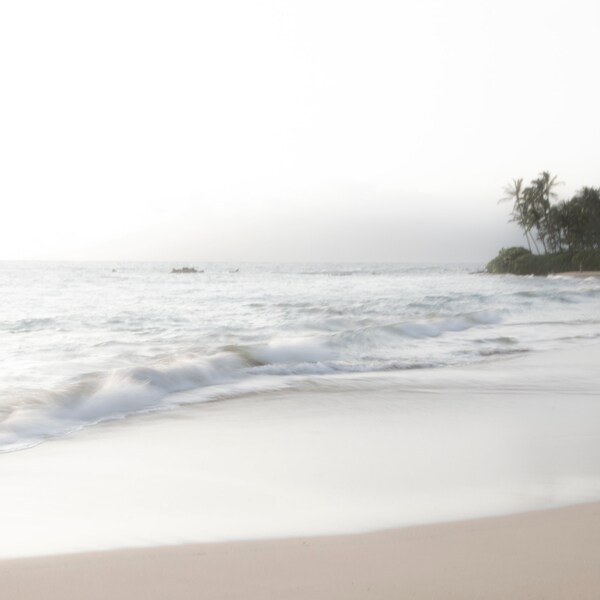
(551, 554)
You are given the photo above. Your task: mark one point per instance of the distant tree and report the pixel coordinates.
(582, 215)
(532, 209)
(568, 230)
(539, 196)
(513, 192)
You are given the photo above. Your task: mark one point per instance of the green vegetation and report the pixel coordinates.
(520, 261)
(561, 236)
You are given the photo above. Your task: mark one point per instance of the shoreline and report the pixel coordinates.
(362, 454)
(552, 553)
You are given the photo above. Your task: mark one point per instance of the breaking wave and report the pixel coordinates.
(120, 393)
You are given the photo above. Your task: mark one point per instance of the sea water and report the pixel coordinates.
(86, 343)
(140, 406)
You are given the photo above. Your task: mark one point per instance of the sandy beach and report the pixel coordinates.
(205, 476)
(284, 312)
(551, 554)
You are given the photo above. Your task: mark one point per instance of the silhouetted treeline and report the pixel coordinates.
(561, 235)
(568, 225)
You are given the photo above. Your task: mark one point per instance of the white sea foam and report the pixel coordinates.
(119, 393)
(113, 395)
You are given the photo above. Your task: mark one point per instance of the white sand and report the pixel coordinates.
(552, 555)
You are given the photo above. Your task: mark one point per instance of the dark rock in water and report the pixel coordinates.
(186, 270)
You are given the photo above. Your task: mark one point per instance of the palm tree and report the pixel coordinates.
(537, 199)
(521, 212)
(514, 192)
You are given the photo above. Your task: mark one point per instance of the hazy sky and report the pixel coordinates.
(287, 130)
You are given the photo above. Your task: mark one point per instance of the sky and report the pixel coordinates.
(275, 130)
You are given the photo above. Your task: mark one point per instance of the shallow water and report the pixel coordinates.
(87, 343)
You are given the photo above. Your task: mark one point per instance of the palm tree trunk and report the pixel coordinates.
(534, 242)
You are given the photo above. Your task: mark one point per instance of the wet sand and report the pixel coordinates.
(550, 554)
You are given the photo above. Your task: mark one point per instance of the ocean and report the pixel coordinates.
(141, 407)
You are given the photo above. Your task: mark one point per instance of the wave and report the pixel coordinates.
(384, 270)
(434, 327)
(502, 351)
(27, 325)
(339, 273)
(99, 397)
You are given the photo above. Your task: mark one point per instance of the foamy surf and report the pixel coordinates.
(120, 393)
(156, 341)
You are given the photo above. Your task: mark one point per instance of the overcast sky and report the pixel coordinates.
(287, 130)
